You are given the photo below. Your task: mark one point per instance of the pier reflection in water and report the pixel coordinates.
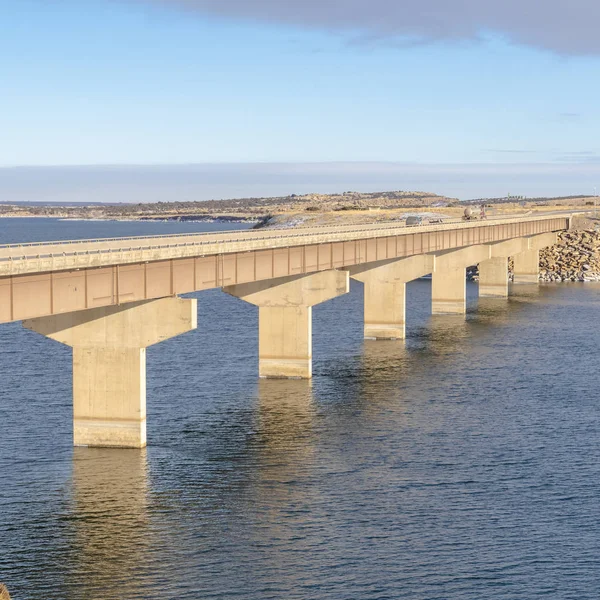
(112, 538)
(285, 416)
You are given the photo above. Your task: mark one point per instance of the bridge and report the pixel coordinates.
(110, 299)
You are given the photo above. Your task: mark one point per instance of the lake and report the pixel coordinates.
(460, 464)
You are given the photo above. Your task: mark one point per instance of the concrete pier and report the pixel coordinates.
(527, 262)
(109, 364)
(285, 318)
(493, 277)
(385, 293)
(527, 266)
(448, 281)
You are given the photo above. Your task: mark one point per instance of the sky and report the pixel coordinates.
(139, 100)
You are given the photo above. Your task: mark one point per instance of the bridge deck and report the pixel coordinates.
(74, 254)
(58, 277)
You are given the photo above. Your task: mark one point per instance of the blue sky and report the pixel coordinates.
(107, 82)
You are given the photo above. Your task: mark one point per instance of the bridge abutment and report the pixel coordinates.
(285, 318)
(109, 364)
(385, 293)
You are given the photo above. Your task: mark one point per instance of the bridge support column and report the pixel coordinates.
(109, 364)
(527, 262)
(385, 293)
(527, 266)
(449, 278)
(493, 277)
(449, 291)
(285, 318)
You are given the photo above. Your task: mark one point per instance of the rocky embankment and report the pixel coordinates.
(576, 257)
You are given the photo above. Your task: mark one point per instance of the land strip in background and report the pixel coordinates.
(303, 211)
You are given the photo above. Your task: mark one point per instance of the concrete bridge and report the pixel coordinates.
(110, 299)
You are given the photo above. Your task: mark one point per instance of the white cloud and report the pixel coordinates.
(562, 26)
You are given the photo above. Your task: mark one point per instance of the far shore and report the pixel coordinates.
(311, 210)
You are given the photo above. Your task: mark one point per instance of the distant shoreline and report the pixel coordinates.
(146, 219)
(312, 210)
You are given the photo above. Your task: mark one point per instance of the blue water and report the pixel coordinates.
(463, 463)
(23, 230)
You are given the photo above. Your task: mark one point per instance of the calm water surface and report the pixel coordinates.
(462, 464)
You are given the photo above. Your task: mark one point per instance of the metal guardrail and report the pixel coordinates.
(243, 237)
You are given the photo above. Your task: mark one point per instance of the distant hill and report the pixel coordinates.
(243, 207)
